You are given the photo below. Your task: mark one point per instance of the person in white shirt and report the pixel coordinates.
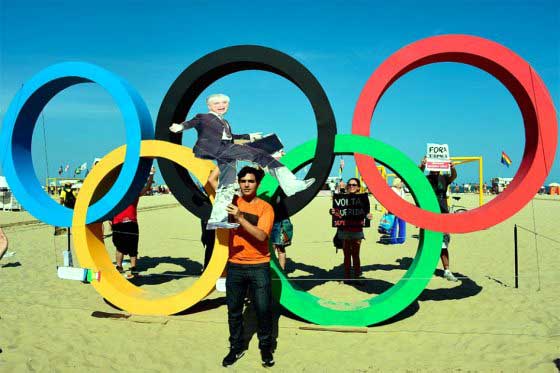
(398, 233)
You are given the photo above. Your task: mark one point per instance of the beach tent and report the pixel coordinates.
(64, 181)
(3, 183)
(7, 199)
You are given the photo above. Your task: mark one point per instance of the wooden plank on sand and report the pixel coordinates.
(334, 329)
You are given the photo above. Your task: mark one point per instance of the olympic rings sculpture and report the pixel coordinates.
(15, 144)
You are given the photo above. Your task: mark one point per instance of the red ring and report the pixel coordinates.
(531, 95)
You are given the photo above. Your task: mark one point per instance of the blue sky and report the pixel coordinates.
(341, 43)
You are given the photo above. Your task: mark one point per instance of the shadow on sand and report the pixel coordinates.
(11, 265)
(316, 276)
(190, 269)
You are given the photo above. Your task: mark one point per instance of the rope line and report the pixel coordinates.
(223, 322)
(540, 139)
(536, 244)
(538, 234)
(295, 279)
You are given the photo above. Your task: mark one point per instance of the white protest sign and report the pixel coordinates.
(437, 157)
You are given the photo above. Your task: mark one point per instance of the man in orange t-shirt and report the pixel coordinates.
(249, 266)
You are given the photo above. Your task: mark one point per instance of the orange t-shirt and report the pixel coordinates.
(243, 247)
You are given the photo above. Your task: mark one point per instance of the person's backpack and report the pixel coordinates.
(386, 223)
(70, 198)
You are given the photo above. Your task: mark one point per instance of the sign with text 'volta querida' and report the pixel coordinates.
(350, 210)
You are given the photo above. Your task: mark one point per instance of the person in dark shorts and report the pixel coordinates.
(208, 236)
(281, 237)
(126, 233)
(439, 184)
(282, 232)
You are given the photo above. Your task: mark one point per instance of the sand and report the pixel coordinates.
(479, 324)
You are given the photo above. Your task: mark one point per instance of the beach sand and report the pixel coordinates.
(481, 323)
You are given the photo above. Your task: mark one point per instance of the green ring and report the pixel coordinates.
(389, 303)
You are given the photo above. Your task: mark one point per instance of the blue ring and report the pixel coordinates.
(17, 133)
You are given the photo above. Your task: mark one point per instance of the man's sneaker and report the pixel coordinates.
(449, 276)
(232, 357)
(267, 358)
(133, 273)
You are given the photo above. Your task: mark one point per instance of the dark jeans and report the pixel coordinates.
(241, 277)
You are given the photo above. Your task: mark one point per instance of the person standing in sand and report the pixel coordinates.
(440, 183)
(352, 239)
(282, 233)
(3, 244)
(248, 267)
(208, 236)
(398, 233)
(126, 233)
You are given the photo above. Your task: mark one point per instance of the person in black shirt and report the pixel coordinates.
(439, 183)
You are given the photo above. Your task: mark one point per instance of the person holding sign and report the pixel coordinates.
(440, 183)
(248, 267)
(351, 213)
(437, 157)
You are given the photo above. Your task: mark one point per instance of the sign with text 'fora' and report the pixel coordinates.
(350, 210)
(437, 157)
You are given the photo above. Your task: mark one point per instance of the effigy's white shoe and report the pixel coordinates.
(288, 181)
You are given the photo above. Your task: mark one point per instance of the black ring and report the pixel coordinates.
(205, 71)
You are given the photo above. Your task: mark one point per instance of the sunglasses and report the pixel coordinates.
(352, 184)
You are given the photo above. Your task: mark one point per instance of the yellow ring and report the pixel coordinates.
(91, 251)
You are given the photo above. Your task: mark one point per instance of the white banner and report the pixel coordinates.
(437, 157)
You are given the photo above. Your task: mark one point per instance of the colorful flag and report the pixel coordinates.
(66, 168)
(60, 171)
(77, 171)
(505, 159)
(341, 167)
(83, 167)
